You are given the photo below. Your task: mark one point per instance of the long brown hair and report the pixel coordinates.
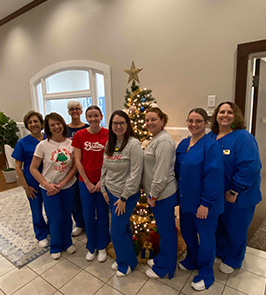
(239, 122)
(110, 148)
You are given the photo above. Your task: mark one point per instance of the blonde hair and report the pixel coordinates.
(73, 103)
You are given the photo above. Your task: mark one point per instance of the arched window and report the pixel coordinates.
(86, 81)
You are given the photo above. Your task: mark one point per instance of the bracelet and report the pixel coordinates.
(233, 193)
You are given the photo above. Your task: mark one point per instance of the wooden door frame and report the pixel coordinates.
(243, 52)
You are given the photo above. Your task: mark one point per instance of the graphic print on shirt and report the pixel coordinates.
(93, 146)
(114, 157)
(60, 157)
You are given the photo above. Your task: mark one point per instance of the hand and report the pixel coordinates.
(202, 212)
(30, 192)
(60, 185)
(229, 197)
(105, 195)
(97, 187)
(120, 207)
(152, 203)
(51, 189)
(90, 186)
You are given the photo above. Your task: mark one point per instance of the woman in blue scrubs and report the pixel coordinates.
(199, 171)
(242, 184)
(23, 154)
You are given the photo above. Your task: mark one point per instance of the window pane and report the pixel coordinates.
(60, 106)
(40, 98)
(101, 97)
(68, 81)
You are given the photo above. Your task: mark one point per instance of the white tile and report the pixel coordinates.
(219, 276)
(61, 273)
(154, 287)
(15, 279)
(36, 287)
(230, 291)
(215, 289)
(142, 268)
(43, 263)
(82, 284)
(107, 290)
(247, 282)
(178, 281)
(103, 270)
(82, 238)
(130, 284)
(256, 252)
(6, 266)
(255, 264)
(79, 257)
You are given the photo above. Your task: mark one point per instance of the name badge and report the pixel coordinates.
(226, 152)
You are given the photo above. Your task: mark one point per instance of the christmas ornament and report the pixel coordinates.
(143, 99)
(133, 73)
(142, 109)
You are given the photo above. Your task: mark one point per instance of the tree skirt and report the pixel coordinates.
(17, 238)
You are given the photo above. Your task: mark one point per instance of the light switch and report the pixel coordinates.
(211, 101)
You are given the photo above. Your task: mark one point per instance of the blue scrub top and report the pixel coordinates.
(23, 152)
(242, 166)
(199, 173)
(72, 131)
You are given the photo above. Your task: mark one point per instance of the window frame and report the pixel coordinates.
(92, 67)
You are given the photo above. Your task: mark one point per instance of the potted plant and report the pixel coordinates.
(8, 129)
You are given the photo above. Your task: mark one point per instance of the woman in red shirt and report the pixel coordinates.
(89, 147)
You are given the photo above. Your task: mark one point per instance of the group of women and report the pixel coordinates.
(218, 179)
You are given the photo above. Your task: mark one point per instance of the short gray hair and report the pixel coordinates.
(73, 103)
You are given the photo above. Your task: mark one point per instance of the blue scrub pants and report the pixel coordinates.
(58, 209)
(96, 217)
(41, 229)
(165, 262)
(231, 234)
(121, 234)
(199, 235)
(77, 207)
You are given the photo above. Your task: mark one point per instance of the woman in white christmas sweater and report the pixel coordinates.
(120, 185)
(57, 182)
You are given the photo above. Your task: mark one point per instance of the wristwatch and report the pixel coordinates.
(123, 199)
(233, 193)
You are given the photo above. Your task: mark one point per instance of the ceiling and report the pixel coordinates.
(9, 6)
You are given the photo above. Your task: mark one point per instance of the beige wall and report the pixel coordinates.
(186, 47)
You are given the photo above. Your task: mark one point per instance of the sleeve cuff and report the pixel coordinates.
(205, 204)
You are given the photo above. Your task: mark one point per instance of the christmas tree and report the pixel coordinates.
(136, 102)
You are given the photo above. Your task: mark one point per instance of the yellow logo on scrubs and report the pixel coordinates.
(226, 152)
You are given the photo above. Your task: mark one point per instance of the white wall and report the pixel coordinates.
(186, 47)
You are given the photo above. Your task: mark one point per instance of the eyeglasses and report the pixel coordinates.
(74, 109)
(197, 122)
(122, 124)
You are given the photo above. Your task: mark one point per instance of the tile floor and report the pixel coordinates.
(73, 275)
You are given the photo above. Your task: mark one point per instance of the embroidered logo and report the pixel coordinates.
(226, 152)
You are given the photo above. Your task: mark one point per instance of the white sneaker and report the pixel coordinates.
(76, 231)
(43, 243)
(114, 266)
(199, 286)
(71, 250)
(150, 263)
(56, 256)
(102, 255)
(151, 274)
(181, 266)
(120, 274)
(224, 268)
(90, 256)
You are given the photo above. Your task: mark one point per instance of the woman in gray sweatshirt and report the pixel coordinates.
(160, 186)
(120, 186)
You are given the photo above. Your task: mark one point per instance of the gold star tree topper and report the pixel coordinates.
(133, 73)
